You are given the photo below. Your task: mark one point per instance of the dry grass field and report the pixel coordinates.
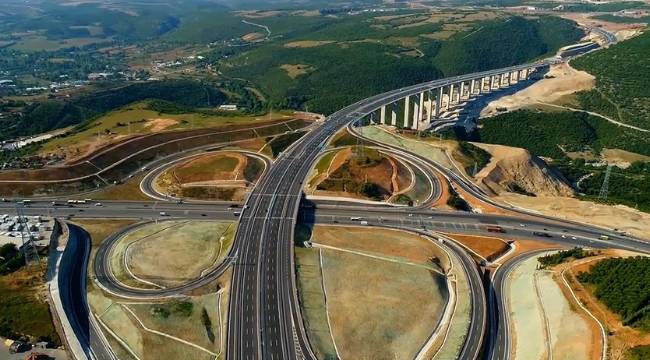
(385, 310)
(487, 246)
(369, 314)
(383, 242)
(172, 329)
(171, 252)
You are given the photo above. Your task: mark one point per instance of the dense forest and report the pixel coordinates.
(623, 284)
(500, 44)
(622, 72)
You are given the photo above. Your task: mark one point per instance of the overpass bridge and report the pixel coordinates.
(432, 104)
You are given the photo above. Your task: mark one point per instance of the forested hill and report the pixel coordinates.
(327, 65)
(498, 44)
(622, 74)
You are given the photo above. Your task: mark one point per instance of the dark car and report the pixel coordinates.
(542, 234)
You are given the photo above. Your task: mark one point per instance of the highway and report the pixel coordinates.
(498, 340)
(264, 314)
(72, 285)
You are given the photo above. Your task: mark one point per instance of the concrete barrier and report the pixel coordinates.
(61, 321)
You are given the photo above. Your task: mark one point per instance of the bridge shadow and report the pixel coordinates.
(305, 222)
(470, 112)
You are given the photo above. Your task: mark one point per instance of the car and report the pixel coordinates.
(522, 225)
(204, 215)
(98, 204)
(574, 238)
(563, 236)
(162, 213)
(410, 215)
(542, 234)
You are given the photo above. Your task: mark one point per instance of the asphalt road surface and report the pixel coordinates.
(264, 316)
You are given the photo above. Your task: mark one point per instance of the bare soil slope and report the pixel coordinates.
(516, 170)
(561, 80)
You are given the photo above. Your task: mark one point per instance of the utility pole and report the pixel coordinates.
(602, 195)
(30, 253)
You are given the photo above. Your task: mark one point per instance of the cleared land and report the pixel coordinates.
(224, 175)
(545, 323)
(171, 252)
(516, 170)
(558, 86)
(486, 246)
(386, 265)
(628, 219)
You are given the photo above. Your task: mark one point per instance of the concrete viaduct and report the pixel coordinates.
(417, 111)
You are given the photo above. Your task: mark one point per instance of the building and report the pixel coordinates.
(228, 107)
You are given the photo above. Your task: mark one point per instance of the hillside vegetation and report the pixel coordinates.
(622, 72)
(54, 114)
(624, 286)
(348, 58)
(498, 44)
(554, 134)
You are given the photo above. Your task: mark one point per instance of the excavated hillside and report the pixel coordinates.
(516, 170)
